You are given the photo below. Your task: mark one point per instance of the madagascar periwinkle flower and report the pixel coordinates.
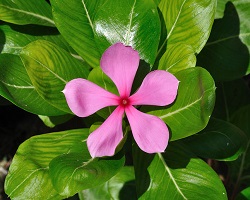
(158, 88)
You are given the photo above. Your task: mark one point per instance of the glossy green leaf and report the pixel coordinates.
(225, 56)
(220, 140)
(195, 100)
(75, 22)
(230, 96)
(175, 175)
(30, 12)
(187, 21)
(133, 22)
(52, 121)
(50, 68)
(78, 171)
(16, 37)
(28, 176)
(119, 187)
(177, 58)
(16, 86)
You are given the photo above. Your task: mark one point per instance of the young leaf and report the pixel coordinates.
(75, 22)
(195, 100)
(50, 68)
(30, 12)
(225, 56)
(28, 176)
(177, 174)
(78, 171)
(16, 86)
(178, 57)
(187, 21)
(220, 140)
(121, 186)
(133, 22)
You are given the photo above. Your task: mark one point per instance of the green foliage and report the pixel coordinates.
(45, 45)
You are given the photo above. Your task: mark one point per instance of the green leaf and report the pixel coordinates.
(225, 56)
(220, 8)
(119, 187)
(28, 176)
(178, 57)
(16, 86)
(175, 175)
(50, 68)
(16, 37)
(187, 21)
(244, 194)
(195, 100)
(230, 96)
(52, 121)
(220, 140)
(78, 171)
(30, 12)
(133, 22)
(75, 22)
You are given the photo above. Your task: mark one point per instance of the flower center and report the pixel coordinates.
(124, 102)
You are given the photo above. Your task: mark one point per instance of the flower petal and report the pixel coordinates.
(85, 98)
(150, 132)
(158, 88)
(120, 63)
(104, 140)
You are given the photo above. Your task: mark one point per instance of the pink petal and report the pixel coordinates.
(85, 98)
(120, 63)
(150, 132)
(158, 88)
(104, 140)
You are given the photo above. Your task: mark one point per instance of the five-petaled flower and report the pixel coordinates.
(158, 88)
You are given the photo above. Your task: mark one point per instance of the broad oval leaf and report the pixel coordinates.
(78, 171)
(187, 21)
(220, 140)
(52, 121)
(121, 186)
(178, 57)
(30, 12)
(75, 22)
(16, 37)
(28, 176)
(195, 100)
(225, 56)
(133, 22)
(16, 86)
(50, 68)
(175, 175)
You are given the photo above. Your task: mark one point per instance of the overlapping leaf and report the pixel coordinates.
(121, 186)
(75, 22)
(193, 106)
(225, 55)
(187, 21)
(220, 140)
(178, 57)
(28, 176)
(30, 12)
(50, 68)
(16, 86)
(175, 175)
(133, 22)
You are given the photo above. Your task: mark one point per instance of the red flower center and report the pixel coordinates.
(124, 102)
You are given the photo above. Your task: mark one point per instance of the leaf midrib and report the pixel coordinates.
(171, 176)
(30, 13)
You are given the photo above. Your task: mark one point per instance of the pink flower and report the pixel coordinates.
(159, 88)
